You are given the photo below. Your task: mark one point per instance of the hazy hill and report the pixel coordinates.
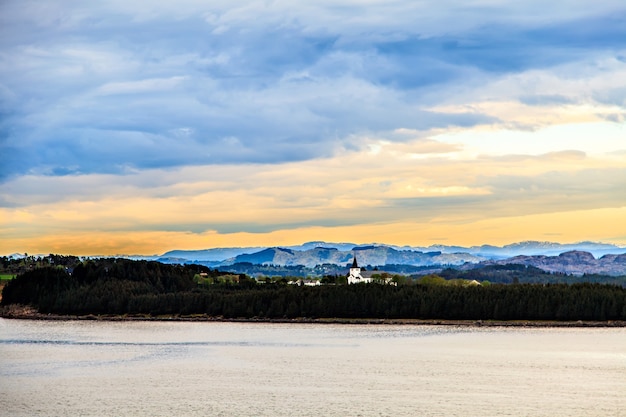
(366, 255)
(217, 256)
(572, 262)
(214, 255)
(319, 252)
(547, 248)
(529, 248)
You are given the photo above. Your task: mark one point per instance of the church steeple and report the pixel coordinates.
(355, 273)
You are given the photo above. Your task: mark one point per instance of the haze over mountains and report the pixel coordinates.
(318, 257)
(571, 262)
(575, 258)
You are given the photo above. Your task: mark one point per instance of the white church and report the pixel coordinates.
(355, 274)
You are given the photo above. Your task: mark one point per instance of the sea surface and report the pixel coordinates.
(94, 368)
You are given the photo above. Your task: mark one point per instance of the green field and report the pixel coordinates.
(6, 277)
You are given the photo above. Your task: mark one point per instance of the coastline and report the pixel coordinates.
(18, 312)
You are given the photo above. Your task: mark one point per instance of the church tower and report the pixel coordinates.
(354, 269)
(355, 274)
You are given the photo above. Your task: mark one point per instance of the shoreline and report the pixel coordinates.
(14, 312)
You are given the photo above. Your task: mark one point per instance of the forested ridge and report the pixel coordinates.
(125, 287)
(526, 274)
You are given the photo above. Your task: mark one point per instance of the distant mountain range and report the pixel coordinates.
(366, 255)
(572, 262)
(484, 252)
(574, 258)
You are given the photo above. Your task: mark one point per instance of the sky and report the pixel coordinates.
(137, 127)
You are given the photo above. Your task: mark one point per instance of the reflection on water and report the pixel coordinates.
(240, 369)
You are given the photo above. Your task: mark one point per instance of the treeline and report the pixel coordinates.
(13, 266)
(497, 302)
(118, 286)
(321, 270)
(100, 286)
(271, 270)
(526, 274)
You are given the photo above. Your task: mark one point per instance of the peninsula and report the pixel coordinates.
(115, 288)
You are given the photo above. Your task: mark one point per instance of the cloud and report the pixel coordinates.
(357, 187)
(565, 155)
(253, 117)
(101, 88)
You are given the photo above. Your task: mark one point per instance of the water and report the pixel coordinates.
(91, 368)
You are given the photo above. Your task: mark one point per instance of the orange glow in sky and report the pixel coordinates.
(198, 124)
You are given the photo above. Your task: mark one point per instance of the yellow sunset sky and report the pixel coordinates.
(202, 126)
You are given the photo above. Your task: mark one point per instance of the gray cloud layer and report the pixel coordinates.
(110, 87)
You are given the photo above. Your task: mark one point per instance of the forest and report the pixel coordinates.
(125, 287)
(526, 274)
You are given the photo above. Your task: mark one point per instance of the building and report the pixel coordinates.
(355, 276)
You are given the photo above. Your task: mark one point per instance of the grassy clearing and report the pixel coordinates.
(7, 277)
